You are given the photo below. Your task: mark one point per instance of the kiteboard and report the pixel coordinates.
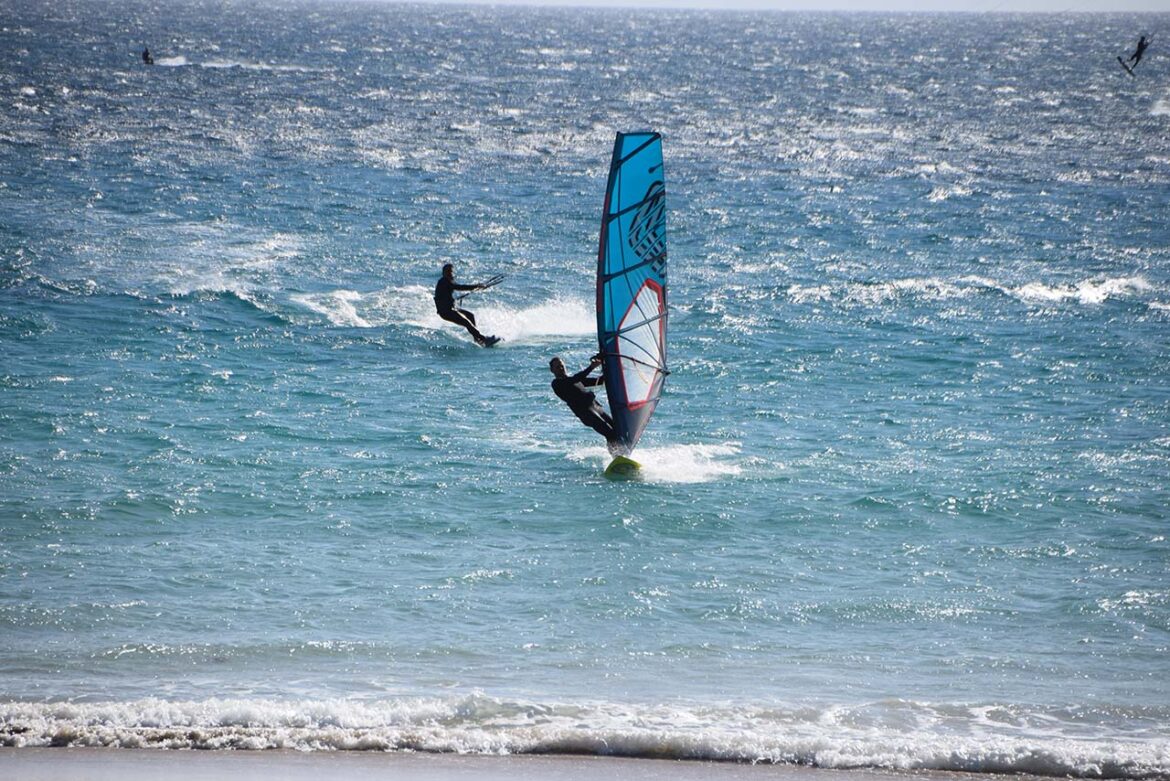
(631, 289)
(1128, 69)
(622, 468)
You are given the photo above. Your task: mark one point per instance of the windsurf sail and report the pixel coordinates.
(631, 283)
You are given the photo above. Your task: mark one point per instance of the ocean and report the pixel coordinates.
(904, 500)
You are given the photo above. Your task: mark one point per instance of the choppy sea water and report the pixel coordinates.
(904, 501)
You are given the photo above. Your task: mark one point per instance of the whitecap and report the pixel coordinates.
(257, 66)
(339, 307)
(943, 193)
(1089, 291)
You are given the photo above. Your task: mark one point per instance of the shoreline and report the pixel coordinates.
(120, 764)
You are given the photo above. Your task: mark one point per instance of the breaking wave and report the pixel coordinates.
(894, 734)
(1088, 292)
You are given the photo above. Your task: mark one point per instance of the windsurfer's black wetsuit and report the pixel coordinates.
(445, 306)
(571, 390)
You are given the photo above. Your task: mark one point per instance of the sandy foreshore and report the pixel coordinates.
(102, 764)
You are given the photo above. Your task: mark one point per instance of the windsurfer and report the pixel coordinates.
(572, 390)
(147, 59)
(445, 306)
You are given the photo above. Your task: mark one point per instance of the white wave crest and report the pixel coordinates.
(214, 261)
(946, 192)
(875, 293)
(337, 306)
(1088, 292)
(894, 734)
(258, 66)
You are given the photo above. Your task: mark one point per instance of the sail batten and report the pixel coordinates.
(631, 283)
(631, 207)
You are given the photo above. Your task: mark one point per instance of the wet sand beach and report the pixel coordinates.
(97, 764)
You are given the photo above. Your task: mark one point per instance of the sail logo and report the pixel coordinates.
(647, 234)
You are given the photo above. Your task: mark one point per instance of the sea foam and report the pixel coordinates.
(412, 305)
(1087, 292)
(893, 734)
(690, 463)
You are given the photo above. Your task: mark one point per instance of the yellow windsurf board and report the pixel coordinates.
(622, 468)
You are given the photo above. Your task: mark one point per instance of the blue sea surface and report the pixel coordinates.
(904, 501)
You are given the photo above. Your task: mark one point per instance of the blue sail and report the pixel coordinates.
(631, 283)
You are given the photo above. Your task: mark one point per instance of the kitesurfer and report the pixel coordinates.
(445, 306)
(572, 389)
(1136, 57)
(146, 57)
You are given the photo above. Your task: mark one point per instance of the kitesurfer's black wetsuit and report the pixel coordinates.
(571, 390)
(445, 306)
(1142, 45)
